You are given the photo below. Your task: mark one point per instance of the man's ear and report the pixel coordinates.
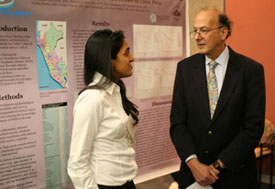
(224, 32)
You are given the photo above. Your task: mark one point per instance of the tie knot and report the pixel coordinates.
(213, 65)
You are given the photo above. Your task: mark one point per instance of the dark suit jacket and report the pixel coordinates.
(236, 127)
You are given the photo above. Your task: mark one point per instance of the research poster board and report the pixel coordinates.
(41, 72)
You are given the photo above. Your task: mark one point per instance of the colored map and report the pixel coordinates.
(51, 55)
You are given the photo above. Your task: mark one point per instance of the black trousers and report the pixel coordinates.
(127, 185)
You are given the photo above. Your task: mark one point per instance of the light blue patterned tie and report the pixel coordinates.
(212, 87)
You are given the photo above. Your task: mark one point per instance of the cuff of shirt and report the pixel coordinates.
(191, 157)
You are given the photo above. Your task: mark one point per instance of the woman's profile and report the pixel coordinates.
(102, 154)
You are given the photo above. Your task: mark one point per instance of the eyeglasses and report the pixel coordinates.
(202, 32)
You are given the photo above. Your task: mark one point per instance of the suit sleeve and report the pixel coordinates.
(242, 146)
(179, 133)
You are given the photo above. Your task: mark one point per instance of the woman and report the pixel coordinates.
(102, 154)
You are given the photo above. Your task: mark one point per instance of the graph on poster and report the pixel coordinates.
(157, 41)
(154, 78)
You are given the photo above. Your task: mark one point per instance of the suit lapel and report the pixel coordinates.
(201, 83)
(229, 83)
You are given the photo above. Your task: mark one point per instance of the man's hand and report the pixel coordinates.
(214, 172)
(203, 174)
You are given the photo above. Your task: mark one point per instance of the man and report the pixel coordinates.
(215, 139)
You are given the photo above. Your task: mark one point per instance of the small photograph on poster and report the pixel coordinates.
(55, 139)
(51, 55)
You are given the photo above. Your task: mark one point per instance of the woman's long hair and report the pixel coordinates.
(101, 47)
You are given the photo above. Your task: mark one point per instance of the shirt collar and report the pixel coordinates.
(222, 59)
(109, 87)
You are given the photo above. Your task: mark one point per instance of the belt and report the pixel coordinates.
(124, 186)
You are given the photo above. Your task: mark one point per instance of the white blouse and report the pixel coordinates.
(102, 139)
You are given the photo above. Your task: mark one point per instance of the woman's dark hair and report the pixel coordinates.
(101, 47)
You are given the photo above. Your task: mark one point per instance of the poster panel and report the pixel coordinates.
(41, 71)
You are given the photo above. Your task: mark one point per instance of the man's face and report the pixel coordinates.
(210, 36)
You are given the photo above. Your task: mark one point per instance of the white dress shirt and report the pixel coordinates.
(102, 139)
(220, 71)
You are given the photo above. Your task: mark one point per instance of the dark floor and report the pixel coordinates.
(165, 181)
